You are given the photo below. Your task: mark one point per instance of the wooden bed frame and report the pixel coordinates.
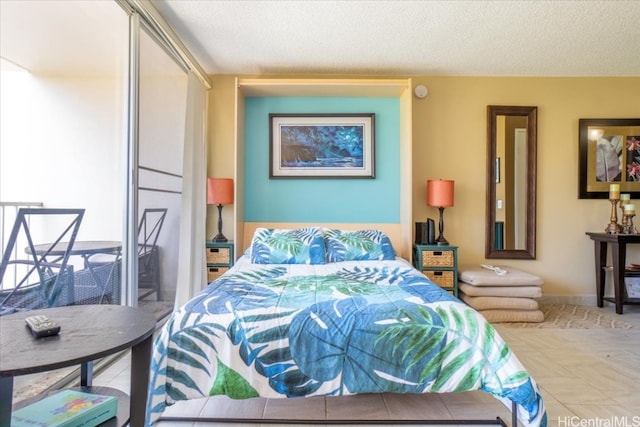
(498, 421)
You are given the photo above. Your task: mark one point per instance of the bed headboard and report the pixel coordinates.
(392, 230)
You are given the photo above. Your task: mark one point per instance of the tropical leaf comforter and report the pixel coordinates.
(332, 329)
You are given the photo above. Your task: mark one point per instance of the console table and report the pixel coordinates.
(618, 244)
(88, 332)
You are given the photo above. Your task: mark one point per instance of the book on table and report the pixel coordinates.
(67, 408)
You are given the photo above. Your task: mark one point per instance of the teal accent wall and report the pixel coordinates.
(322, 200)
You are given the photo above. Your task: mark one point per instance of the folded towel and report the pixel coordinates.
(501, 291)
(513, 316)
(488, 303)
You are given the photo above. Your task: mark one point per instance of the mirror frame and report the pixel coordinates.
(532, 141)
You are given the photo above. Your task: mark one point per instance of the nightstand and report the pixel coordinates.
(219, 259)
(439, 263)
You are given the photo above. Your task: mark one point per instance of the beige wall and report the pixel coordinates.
(449, 142)
(221, 150)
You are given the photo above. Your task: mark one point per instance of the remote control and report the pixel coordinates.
(42, 326)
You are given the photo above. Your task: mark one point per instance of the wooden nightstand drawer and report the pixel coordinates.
(438, 259)
(444, 279)
(214, 272)
(219, 256)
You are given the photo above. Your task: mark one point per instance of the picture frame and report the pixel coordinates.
(609, 152)
(322, 145)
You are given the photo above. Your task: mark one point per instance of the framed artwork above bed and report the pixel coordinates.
(322, 145)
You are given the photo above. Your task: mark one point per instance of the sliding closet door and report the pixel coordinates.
(162, 101)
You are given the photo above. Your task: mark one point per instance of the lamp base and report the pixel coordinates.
(442, 241)
(219, 238)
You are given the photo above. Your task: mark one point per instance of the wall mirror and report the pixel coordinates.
(511, 182)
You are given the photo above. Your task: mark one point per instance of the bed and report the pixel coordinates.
(322, 312)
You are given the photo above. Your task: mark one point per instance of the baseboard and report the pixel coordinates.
(587, 300)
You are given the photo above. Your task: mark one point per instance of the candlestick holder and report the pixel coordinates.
(622, 215)
(613, 227)
(629, 228)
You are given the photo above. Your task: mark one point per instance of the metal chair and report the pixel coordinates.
(149, 253)
(151, 222)
(99, 283)
(33, 278)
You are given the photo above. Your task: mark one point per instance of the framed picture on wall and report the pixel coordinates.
(609, 151)
(322, 145)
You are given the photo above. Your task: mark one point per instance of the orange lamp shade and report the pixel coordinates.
(440, 192)
(219, 191)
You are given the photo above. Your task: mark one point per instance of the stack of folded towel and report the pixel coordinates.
(501, 294)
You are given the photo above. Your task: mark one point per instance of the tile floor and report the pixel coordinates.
(588, 378)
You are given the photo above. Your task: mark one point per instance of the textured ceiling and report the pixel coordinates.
(481, 38)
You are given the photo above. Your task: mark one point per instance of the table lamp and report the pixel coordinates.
(440, 195)
(219, 192)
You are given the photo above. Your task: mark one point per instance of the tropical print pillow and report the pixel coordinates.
(283, 246)
(345, 245)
